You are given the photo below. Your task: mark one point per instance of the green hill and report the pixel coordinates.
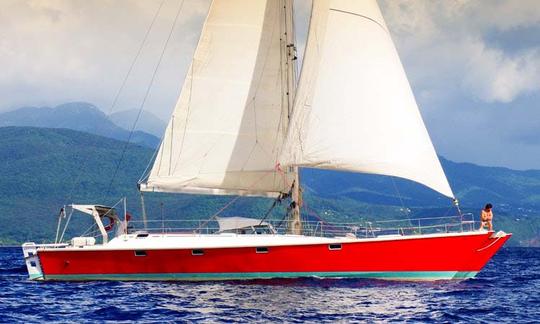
(474, 186)
(43, 169)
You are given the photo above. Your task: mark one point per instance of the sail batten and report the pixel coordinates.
(354, 108)
(229, 123)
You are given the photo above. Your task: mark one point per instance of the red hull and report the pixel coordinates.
(412, 257)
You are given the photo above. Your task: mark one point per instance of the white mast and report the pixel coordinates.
(289, 48)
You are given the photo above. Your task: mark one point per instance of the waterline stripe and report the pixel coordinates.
(389, 275)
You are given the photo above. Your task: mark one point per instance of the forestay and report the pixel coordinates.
(227, 129)
(354, 108)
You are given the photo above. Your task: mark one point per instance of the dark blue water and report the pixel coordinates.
(507, 290)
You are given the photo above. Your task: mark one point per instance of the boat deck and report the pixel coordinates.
(366, 229)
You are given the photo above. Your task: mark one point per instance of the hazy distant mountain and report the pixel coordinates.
(42, 169)
(474, 185)
(147, 122)
(78, 116)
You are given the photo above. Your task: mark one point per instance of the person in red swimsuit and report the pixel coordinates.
(486, 217)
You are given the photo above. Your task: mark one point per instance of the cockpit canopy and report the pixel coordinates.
(244, 225)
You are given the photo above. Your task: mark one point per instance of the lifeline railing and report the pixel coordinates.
(416, 226)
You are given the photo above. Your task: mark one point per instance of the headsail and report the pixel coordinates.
(229, 124)
(354, 108)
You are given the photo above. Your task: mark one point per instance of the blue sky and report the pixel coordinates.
(474, 66)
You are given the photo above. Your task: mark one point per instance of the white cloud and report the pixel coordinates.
(494, 76)
(443, 46)
(53, 51)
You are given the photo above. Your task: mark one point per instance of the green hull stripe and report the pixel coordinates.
(400, 275)
(36, 276)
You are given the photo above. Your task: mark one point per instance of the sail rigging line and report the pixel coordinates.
(65, 226)
(299, 75)
(282, 39)
(228, 204)
(136, 58)
(405, 209)
(282, 196)
(61, 215)
(172, 136)
(124, 81)
(217, 213)
(145, 172)
(456, 204)
(448, 211)
(294, 42)
(147, 93)
(289, 83)
(276, 201)
(283, 175)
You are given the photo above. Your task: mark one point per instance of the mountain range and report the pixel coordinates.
(474, 185)
(44, 169)
(85, 117)
(147, 122)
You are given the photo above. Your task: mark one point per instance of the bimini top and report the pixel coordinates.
(233, 223)
(100, 209)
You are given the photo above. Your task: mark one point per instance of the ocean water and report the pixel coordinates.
(507, 290)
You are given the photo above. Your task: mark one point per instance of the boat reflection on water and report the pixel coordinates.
(280, 298)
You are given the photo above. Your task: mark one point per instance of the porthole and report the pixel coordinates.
(197, 252)
(261, 250)
(334, 247)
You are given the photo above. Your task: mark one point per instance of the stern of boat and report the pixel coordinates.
(32, 261)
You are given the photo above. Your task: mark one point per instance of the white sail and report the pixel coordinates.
(354, 108)
(229, 124)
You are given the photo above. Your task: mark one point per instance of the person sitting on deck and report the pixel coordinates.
(486, 217)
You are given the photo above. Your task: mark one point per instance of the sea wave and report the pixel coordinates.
(507, 290)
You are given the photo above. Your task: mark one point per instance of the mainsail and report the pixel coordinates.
(354, 108)
(227, 129)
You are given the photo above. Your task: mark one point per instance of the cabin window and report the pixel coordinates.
(140, 253)
(334, 247)
(262, 250)
(30, 254)
(142, 235)
(197, 252)
(33, 264)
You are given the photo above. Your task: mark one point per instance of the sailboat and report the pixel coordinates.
(245, 123)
